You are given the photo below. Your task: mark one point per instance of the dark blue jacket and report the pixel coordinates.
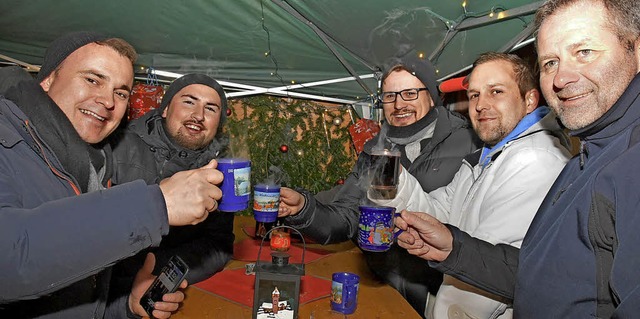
(581, 255)
(56, 242)
(571, 243)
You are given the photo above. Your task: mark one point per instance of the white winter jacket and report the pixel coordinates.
(495, 203)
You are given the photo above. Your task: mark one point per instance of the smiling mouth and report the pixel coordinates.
(573, 98)
(96, 116)
(193, 127)
(403, 115)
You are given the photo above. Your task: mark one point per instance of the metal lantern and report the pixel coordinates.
(277, 288)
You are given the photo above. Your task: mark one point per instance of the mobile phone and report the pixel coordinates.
(172, 274)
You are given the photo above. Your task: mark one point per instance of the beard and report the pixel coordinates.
(493, 135)
(190, 142)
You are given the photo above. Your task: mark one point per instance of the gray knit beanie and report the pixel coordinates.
(195, 78)
(62, 47)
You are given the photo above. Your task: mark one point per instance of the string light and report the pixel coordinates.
(421, 55)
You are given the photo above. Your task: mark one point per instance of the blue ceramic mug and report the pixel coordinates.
(236, 185)
(344, 292)
(266, 200)
(375, 228)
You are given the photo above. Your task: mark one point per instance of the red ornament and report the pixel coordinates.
(340, 182)
(228, 112)
(284, 148)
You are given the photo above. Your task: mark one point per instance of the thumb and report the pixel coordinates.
(149, 263)
(212, 164)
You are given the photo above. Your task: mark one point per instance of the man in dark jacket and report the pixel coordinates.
(61, 226)
(579, 258)
(432, 142)
(184, 133)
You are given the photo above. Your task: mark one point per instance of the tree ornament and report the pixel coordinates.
(228, 112)
(340, 182)
(284, 148)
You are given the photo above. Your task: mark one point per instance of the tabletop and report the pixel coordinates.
(375, 299)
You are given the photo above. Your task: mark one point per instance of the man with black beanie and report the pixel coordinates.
(185, 132)
(432, 142)
(61, 224)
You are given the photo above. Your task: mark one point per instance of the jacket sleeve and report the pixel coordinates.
(616, 188)
(208, 248)
(48, 247)
(336, 221)
(481, 264)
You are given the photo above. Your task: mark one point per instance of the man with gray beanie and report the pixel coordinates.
(61, 223)
(185, 132)
(432, 142)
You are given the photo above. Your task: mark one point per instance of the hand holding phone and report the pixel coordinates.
(168, 281)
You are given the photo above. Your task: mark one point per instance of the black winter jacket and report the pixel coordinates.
(337, 221)
(145, 152)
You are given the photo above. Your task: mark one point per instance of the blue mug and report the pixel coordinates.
(236, 185)
(266, 200)
(375, 228)
(344, 292)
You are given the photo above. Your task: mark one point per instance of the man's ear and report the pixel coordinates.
(46, 83)
(531, 99)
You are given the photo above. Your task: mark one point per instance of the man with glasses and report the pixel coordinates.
(498, 189)
(432, 142)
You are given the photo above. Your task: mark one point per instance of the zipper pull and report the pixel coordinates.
(583, 151)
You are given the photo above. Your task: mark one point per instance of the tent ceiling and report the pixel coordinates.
(277, 46)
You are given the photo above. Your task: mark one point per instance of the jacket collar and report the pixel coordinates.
(614, 120)
(150, 127)
(52, 127)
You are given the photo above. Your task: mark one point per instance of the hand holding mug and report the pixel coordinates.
(191, 195)
(424, 236)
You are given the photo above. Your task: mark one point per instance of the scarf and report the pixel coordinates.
(411, 137)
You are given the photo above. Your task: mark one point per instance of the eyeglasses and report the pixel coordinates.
(407, 95)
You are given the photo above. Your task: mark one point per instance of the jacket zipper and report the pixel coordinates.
(44, 156)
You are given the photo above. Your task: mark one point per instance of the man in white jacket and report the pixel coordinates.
(497, 190)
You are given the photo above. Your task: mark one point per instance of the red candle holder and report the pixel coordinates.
(280, 241)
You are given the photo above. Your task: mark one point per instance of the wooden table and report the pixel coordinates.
(375, 299)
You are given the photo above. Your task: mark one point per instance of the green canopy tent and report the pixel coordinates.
(329, 50)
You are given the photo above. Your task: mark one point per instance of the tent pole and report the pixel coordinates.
(323, 36)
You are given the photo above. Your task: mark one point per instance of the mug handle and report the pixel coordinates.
(399, 231)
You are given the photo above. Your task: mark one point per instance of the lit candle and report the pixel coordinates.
(280, 240)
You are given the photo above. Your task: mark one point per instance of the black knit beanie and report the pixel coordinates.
(62, 47)
(186, 80)
(423, 70)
